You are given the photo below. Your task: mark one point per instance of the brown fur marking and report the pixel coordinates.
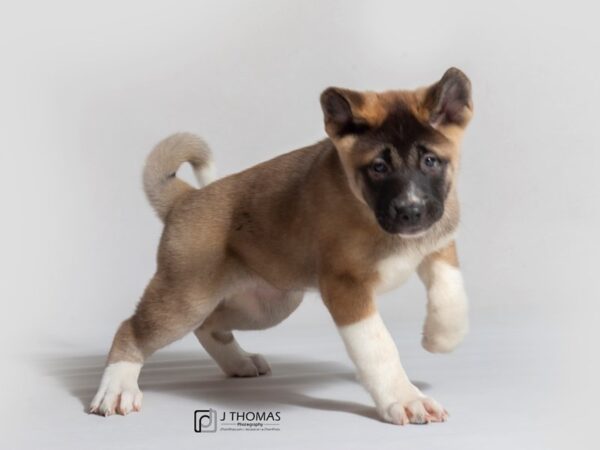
(349, 300)
(447, 254)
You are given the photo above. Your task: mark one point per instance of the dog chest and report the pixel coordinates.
(395, 270)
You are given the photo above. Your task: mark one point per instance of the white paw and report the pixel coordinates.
(250, 365)
(420, 410)
(447, 319)
(444, 330)
(118, 392)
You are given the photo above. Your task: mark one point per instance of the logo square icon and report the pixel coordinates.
(205, 421)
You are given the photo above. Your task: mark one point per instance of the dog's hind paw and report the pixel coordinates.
(251, 365)
(118, 392)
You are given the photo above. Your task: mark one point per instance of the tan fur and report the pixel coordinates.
(447, 254)
(224, 337)
(160, 184)
(371, 109)
(296, 222)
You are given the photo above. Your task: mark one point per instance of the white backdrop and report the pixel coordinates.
(88, 88)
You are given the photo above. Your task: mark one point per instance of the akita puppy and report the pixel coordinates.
(352, 216)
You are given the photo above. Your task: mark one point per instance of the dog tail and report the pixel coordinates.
(161, 184)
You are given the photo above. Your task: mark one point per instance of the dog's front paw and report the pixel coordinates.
(443, 331)
(251, 365)
(118, 392)
(446, 325)
(409, 405)
(421, 410)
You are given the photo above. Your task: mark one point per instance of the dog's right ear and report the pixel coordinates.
(341, 112)
(449, 100)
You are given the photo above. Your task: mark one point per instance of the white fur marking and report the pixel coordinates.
(118, 391)
(447, 309)
(374, 353)
(206, 174)
(395, 270)
(413, 194)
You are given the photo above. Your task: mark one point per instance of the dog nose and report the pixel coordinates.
(409, 214)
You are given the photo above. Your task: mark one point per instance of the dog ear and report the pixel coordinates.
(339, 111)
(449, 100)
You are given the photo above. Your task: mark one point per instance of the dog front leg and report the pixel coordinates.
(447, 321)
(375, 356)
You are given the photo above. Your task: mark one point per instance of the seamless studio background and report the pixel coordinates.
(88, 88)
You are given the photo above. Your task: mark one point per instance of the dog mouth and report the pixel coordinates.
(402, 230)
(413, 233)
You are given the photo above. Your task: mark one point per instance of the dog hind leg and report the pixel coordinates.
(257, 307)
(230, 357)
(167, 311)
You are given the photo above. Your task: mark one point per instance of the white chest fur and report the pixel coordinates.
(395, 270)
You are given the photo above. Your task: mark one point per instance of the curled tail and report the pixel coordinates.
(161, 185)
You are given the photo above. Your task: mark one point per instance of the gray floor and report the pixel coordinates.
(495, 387)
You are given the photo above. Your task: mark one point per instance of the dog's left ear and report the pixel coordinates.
(341, 112)
(449, 100)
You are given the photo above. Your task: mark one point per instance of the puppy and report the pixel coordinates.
(352, 216)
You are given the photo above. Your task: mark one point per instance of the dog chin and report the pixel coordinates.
(412, 235)
(403, 233)
(407, 234)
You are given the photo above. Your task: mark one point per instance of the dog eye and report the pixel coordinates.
(430, 161)
(379, 166)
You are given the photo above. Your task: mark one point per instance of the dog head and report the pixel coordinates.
(400, 149)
